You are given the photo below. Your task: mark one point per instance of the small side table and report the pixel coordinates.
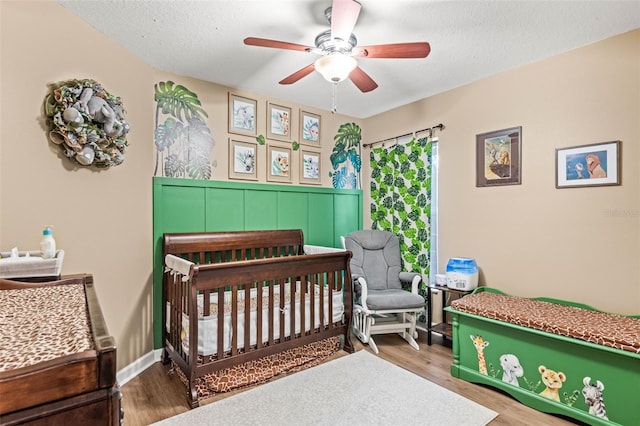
(444, 327)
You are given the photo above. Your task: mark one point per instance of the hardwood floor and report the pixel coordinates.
(156, 394)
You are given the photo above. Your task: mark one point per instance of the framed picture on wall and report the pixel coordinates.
(588, 165)
(278, 122)
(498, 157)
(310, 167)
(309, 128)
(242, 115)
(242, 160)
(278, 164)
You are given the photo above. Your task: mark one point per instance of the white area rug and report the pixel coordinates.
(357, 389)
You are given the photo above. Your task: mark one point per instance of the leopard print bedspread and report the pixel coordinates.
(602, 328)
(262, 369)
(43, 323)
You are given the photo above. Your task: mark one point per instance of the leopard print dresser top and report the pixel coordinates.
(42, 323)
(602, 328)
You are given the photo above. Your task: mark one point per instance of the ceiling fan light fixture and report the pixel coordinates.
(335, 67)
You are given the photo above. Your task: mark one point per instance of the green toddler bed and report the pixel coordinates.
(552, 355)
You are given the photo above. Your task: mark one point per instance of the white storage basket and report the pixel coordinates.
(32, 266)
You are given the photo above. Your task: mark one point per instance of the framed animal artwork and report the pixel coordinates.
(498, 157)
(278, 122)
(278, 164)
(242, 160)
(310, 167)
(588, 165)
(309, 128)
(242, 115)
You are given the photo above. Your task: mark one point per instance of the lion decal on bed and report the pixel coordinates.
(553, 381)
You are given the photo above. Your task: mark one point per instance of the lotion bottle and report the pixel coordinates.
(48, 244)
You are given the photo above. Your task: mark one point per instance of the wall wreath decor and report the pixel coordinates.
(87, 123)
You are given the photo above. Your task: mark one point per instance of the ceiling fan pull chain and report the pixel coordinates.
(334, 97)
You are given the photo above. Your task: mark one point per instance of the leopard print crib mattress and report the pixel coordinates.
(41, 324)
(598, 327)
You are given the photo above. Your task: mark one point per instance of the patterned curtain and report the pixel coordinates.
(401, 198)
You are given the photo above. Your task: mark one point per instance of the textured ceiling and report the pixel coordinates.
(469, 40)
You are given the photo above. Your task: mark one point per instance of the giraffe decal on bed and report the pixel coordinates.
(480, 344)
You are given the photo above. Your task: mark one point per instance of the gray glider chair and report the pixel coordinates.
(381, 305)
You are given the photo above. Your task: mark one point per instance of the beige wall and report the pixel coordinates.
(102, 219)
(532, 239)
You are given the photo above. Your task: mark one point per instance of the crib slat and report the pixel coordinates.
(247, 316)
(206, 302)
(190, 294)
(311, 279)
(302, 292)
(178, 309)
(282, 307)
(168, 291)
(234, 320)
(322, 307)
(173, 310)
(292, 309)
(272, 313)
(220, 330)
(259, 313)
(331, 287)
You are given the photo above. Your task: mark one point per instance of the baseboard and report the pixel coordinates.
(138, 366)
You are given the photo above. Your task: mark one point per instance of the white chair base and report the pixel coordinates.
(367, 323)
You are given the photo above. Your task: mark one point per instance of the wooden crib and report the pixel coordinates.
(216, 285)
(57, 359)
(555, 356)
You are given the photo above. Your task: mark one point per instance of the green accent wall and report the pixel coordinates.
(186, 205)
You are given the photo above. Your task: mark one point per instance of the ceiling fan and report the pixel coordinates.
(338, 49)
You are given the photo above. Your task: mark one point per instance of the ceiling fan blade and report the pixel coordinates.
(362, 80)
(344, 14)
(265, 42)
(298, 74)
(397, 50)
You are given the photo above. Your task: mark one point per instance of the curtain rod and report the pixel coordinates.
(367, 145)
(428, 129)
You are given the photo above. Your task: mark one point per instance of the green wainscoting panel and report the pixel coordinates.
(347, 216)
(186, 205)
(293, 211)
(261, 210)
(224, 208)
(321, 219)
(182, 209)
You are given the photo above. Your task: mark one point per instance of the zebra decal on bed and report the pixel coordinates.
(593, 398)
